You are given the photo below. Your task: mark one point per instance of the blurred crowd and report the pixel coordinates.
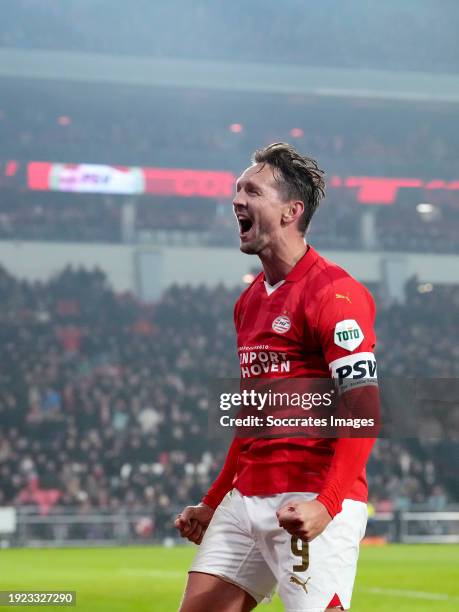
(169, 221)
(104, 400)
(413, 35)
(112, 124)
(219, 131)
(67, 218)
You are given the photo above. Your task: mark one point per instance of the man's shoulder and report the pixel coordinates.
(250, 288)
(246, 293)
(332, 280)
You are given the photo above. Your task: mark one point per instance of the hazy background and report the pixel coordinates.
(122, 129)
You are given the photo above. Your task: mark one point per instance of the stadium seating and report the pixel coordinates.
(104, 400)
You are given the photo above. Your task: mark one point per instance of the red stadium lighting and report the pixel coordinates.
(296, 132)
(236, 128)
(11, 168)
(64, 120)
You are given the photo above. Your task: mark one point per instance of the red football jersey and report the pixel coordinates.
(316, 323)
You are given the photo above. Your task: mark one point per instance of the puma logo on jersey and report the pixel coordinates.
(340, 296)
(303, 585)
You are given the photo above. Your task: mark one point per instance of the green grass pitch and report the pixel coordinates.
(395, 577)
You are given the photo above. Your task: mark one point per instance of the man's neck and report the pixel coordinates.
(278, 262)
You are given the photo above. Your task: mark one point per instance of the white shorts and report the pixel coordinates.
(245, 545)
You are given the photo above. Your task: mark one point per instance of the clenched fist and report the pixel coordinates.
(305, 519)
(193, 521)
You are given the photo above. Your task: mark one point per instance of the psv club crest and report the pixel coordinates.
(281, 324)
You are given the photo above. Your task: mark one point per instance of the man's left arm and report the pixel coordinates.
(308, 519)
(345, 330)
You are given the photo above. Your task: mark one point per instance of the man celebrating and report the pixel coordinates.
(289, 511)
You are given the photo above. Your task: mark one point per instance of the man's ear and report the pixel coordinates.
(292, 212)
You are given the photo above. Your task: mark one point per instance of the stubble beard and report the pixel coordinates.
(248, 249)
(254, 247)
(258, 243)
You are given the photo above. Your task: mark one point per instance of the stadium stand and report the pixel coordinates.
(98, 219)
(162, 129)
(99, 411)
(182, 127)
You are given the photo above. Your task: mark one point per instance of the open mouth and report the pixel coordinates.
(245, 225)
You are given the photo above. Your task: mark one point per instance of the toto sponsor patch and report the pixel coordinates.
(348, 334)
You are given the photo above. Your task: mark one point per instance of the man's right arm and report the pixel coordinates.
(224, 480)
(194, 520)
